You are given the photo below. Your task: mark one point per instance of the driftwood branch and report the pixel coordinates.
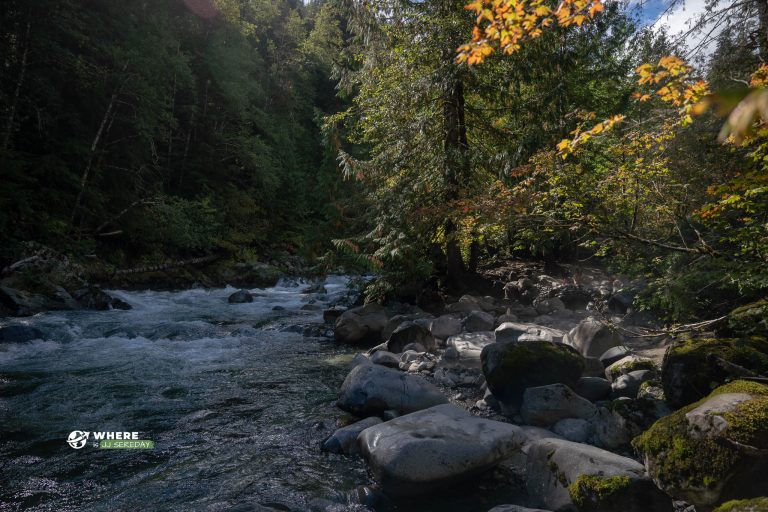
(166, 266)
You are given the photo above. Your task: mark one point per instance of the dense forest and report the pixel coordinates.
(136, 133)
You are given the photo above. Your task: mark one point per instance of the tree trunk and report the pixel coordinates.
(762, 31)
(92, 154)
(456, 170)
(17, 91)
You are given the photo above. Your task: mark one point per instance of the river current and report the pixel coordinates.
(236, 404)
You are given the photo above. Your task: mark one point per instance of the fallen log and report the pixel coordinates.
(166, 266)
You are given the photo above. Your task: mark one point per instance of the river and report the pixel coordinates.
(235, 397)
(237, 407)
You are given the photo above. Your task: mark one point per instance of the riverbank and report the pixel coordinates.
(551, 391)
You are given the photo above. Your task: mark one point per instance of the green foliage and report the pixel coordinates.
(134, 112)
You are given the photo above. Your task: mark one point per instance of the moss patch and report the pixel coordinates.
(616, 370)
(593, 493)
(688, 373)
(681, 461)
(753, 505)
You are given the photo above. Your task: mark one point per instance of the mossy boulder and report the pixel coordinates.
(692, 368)
(563, 475)
(512, 367)
(629, 364)
(712, 450)
(753, 505)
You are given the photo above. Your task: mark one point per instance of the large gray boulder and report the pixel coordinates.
(628, 386)
(511, 368)
(546, 405)
(344, 440)
(517, 331)
(445, 326)
(566, 476)
(240, 297)
(361, 325)
(407, 333)
(593, 388)
(592, 338)
(371, 389)
(469, 345)
(423, 451)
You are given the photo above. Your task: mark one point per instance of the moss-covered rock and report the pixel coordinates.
(629, 364)
(753, 505)
(714, 449)
(512, 367)
(592, 493)
(690, 370)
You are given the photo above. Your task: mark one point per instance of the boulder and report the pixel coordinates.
(750, 319)
(240, 297)
(614, 354)
(592, 338)
(546, 405)
(629, 385)
(692, 367)
(713, 450)
(629, 364)
(437, 447)
(397, 320)
(95, 298)
(511, 368)
(593, 388)
(363, 324)
(20, 334)
(445, 326)
(469, 345)
(407, 333)
(385, 358)
(563, 475)
(371, 389)
(251, 274)
(344, 440)
(479, 321)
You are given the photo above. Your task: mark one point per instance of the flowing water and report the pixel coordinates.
(236, 399)
(236, 406)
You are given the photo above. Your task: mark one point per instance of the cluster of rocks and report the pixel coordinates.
(557, 395)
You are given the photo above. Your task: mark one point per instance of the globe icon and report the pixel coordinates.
(77, 439)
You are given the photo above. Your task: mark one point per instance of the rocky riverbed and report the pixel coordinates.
(552, 390)
(287, 398)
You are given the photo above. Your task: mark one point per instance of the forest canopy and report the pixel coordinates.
(420, 140)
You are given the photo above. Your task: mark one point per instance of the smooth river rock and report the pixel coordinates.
(423, 451)
(371, 389)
